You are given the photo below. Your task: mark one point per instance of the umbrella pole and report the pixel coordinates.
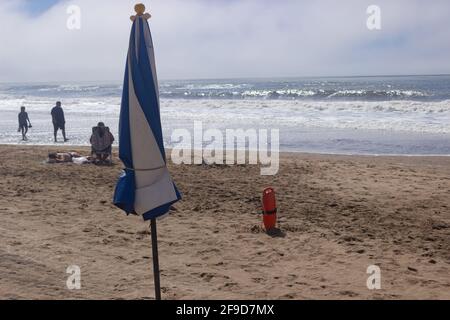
(155, 260)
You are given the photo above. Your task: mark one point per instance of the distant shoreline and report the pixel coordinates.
(286, 153)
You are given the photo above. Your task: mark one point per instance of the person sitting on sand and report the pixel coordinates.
(59, 121)
(24, 123)
(101, 141)
(65, 157)
(58, 157)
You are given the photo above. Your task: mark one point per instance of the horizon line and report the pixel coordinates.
(248, 78)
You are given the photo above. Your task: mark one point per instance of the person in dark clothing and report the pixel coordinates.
(101, 141)
(24, 123)
(59, 122)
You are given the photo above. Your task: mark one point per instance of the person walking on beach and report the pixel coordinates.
(59, 122)
(24, 123)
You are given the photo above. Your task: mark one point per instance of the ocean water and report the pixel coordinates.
(359, 115)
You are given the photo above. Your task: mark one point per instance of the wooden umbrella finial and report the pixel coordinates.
(140, 12)
(140, 9)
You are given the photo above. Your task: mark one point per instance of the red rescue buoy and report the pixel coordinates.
(269, 209)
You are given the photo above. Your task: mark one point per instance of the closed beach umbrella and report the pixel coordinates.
(145, 187)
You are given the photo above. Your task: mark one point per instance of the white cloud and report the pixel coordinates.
(217, 39)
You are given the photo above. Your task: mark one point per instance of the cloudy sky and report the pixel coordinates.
(225, 39)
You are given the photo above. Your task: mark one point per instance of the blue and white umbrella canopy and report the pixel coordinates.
(146, 187)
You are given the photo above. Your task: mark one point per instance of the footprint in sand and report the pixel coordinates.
(230, 284)
(258, 280)
(207, 276)
(350, 294)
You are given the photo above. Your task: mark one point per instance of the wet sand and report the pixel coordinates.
(338, 215)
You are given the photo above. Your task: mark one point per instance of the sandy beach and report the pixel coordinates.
(339, 214)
